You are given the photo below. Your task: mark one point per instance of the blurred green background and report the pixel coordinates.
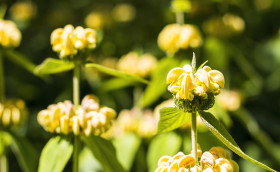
(249, 59)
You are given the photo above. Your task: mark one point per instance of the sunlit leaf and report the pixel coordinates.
(158, 85)
(172, 118)
(52, 66)
(221, 133)
(116, 73)
(126, 147)
(164, 144)
(104, 151)
(55, 154)
(25, 153)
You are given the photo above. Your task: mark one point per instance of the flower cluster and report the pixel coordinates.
(12, 113)
(175, 36)
(194, 90)
(214, 160)
(137, 65)
(10, 35)
(89, 118)
(68, 41)
(144, 123)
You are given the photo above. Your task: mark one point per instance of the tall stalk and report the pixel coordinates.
(2, 81)
(180, 18)
(194, 136)
(76, 100)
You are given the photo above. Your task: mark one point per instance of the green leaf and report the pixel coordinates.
(115, 84)
(25, 153)
(51, 66)
(164, 144)
(172, 118)
(116, 73)
(127, 147)
(201, 66)
(87, 162)
(55, 154)
(221, 133)
(158, 86)
(104, 151)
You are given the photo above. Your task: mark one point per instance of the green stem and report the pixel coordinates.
(3, 163)
(194, 136)
(2, 83)
(76, 99)
(180, 18)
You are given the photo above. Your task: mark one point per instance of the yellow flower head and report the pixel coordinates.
(207, 163)
(175, 36)
(23, 11)
(12, 113)
(10, 35)
(189, 85)
(68, 41)
(89, 118)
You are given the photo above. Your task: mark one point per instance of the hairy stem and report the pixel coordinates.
(76, 99)
(2, 81)
(180, 18)
(194, 136)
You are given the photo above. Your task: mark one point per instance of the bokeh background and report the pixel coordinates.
(240, 38)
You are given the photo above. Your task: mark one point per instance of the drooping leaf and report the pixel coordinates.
(55, 154)
(25, 153)
(172, 118)
(158, 85)
(116, 73)
(222, 134)
(126, 147)
(104, 151)
(52, 66)
(164, 144)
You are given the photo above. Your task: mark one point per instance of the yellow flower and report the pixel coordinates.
(95, 20)
(23, 11)
(10, 35)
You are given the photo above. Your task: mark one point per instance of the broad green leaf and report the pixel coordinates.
(221, 133)
(164, 144)
(116, 73)
(127, 147)
(55, 154)
(158, 86)
(20, 60)
(172, 118)
(51, 66)
(87, 162)
(25, 153)
(115, 84)
(104, 151)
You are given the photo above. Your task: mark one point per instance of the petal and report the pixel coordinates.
(206, 68)
(186, 161)
(202, 76)
(187, 68)
(174, 74)
(218, 152)
(163, 161)
(217, 77)
(173, 167)
(207, 159)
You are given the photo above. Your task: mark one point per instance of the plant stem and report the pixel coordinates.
(2, 83)
(180, 18)
(76, 99)
(3, 163)
(194, 136)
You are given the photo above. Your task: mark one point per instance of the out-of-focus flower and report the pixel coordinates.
(68, 41)
(229, 100)
(137, 65)
(196, 89)
(89, 118)
(210, 161)
(13, 113)
(143, 123)
(23, 11)
(123, 12)
(175, 36)
(263, 4)
(225, 26)
(10, 35)
(95, 20)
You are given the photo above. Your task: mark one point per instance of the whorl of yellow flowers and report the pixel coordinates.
(12, 113)
(176, 36)
(68, 41)
(214, 160)
(10, 35)
(89, 118)
(194, 90)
